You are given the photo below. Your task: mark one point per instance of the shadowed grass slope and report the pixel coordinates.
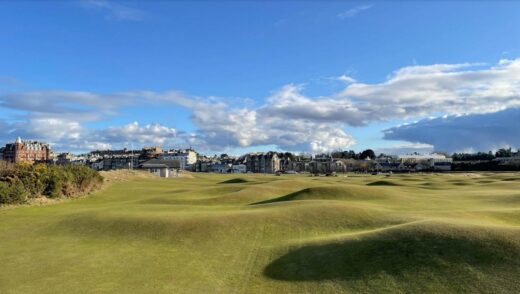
(235, 181)
(416, 258)
(339, 192)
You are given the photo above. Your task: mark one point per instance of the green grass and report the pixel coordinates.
(434, 233)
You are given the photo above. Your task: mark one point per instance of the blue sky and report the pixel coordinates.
(240, 76)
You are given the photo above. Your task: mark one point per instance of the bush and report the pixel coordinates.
(20, 181)
(12, 193)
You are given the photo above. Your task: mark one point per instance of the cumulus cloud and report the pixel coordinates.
(72, 136)
(468, 133)
(448, 88)
(408, 93)
(152, 134)
(222, 126)
(291, 119)
(287, 118)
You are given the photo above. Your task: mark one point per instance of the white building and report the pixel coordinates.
(186, 157)
(162, 168)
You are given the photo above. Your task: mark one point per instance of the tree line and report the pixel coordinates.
(370, 154)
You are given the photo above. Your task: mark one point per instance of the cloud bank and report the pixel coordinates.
(288, 118)
(469, 133)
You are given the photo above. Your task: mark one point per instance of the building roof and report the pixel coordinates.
(161, 163)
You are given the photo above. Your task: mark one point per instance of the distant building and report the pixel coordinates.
(65, 158)
(127, 161)
(238, 168)
(324, 163)
(222, 168)
(389, 166)
(426, 162)
(151, 152)
(513, 160)
(162, 168)
(262, 162)
(114, 159)
(26, 151)
(187, 157)
(97, 165)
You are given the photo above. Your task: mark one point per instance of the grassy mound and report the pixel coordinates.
(330, 193)
(410, 259)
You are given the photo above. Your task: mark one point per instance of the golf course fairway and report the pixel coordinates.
(410, 233)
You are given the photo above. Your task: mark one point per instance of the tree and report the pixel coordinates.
(504, 152)
(369, 153)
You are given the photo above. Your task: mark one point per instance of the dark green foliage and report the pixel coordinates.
(504, 152)
(484, 166)
(369, 153)
(12, 193)
(473, 156)
(22, 181)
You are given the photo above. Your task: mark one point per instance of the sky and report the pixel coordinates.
(241, 76)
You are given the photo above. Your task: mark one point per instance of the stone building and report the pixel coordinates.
(262, 162)
(26, 151)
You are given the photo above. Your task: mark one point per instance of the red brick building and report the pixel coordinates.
(26, 151)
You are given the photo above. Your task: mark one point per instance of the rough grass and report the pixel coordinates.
(424, 233)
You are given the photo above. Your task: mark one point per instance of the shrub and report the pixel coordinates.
(20, 181)
(12, 193)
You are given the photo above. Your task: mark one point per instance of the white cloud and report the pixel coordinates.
(115, 10)
(346, 79)
(72, 136)
(222, 126)
(354, 11)
(287, 118)
(411, 93)
(458, 88)
(150, 134)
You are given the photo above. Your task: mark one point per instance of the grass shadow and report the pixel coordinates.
(397, 254)
(235, 181)
(383, 183)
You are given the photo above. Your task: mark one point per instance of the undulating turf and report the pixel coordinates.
(436, 233)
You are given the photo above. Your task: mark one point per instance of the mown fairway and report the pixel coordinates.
(266, 234)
